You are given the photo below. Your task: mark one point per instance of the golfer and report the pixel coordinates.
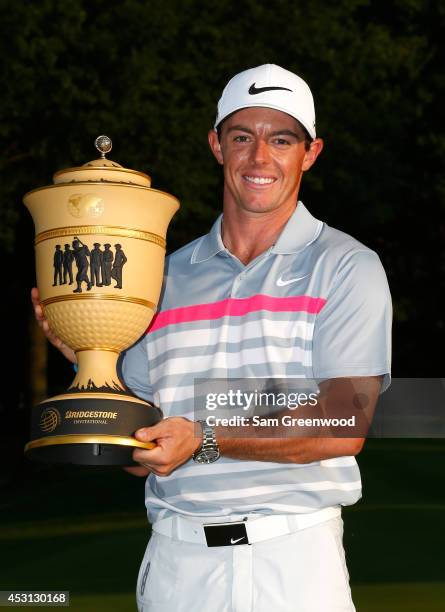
(245, 522)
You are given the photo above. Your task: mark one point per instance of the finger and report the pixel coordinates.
(152, 459)
(55, 340)
(46, 329)
(148, 434)
(35, 296)
(146, 456)
(49, 333)
(38, 309)
(38, 312)
(35, 299)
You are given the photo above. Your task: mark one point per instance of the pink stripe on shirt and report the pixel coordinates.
(236, 307)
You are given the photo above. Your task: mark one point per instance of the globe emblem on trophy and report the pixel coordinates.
(49, 419)
(85, 205)
(98, 302)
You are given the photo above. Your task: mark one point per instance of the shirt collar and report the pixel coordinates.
(301, 230)
(209, 245)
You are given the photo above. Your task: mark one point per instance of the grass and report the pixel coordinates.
(399, 597)
(85, 530)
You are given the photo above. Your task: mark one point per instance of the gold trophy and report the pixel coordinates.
(100, 248)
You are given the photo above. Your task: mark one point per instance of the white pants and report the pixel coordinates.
(301, 572)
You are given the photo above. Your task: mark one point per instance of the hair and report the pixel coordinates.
(303, 136)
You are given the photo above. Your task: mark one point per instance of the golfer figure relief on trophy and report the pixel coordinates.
(100, 249)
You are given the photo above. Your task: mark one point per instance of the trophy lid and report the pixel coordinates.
(102, 170)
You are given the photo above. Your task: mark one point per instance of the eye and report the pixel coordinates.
(281, 141)
(241, 138)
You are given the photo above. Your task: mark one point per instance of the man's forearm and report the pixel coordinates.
(340, 399)
(286, 450)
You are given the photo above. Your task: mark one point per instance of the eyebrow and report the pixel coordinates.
(242, 128)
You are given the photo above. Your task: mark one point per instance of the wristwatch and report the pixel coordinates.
(208, 452)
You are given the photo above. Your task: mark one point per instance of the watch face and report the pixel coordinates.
(207, 456)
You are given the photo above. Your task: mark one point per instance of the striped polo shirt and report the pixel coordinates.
(314, 305)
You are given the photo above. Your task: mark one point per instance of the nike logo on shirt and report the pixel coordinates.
(283, 283)
(232, 541)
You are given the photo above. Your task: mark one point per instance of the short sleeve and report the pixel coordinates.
(134, 370)
(352, 333)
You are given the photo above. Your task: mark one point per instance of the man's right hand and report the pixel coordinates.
(44, 325)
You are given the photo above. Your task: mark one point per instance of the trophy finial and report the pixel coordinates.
(103, 144)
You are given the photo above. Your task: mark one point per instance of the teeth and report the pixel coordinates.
(259, 180)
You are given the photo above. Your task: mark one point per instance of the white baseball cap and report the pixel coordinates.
(270, 86)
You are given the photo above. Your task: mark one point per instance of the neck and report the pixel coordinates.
(247, 236)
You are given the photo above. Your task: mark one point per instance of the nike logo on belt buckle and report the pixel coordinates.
(226, 534)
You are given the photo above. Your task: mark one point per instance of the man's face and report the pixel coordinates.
(263, 158)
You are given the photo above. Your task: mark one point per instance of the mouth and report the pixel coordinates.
(260, 181)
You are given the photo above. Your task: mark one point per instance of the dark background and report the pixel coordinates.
(149, 75)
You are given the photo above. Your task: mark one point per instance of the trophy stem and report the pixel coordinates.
(93, 423)
(97, 371)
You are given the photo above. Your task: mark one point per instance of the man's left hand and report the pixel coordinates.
(177, 439)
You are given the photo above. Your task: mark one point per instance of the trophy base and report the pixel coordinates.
(89, 429)
(85, 450)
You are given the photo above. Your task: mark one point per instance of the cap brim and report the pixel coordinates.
(310, 130)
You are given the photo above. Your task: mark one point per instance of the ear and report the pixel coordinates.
(215, 146)
(312, 154)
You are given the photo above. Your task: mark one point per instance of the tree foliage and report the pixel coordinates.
(149, 74)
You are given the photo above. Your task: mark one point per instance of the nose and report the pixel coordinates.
(260, 152)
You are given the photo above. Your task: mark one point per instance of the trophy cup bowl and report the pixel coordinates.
(100, 249)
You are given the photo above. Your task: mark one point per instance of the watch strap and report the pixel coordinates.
(209, 442)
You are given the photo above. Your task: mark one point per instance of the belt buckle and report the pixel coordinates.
(226, 534)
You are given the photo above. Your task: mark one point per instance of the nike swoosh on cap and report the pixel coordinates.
(257, 90)
(283, 283)
(233, 541)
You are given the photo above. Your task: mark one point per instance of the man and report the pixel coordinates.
(81, 253)
(107, 262)
(270, 292)
(68, 258)
(96, 265)
(58, 261)
(119, 260)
